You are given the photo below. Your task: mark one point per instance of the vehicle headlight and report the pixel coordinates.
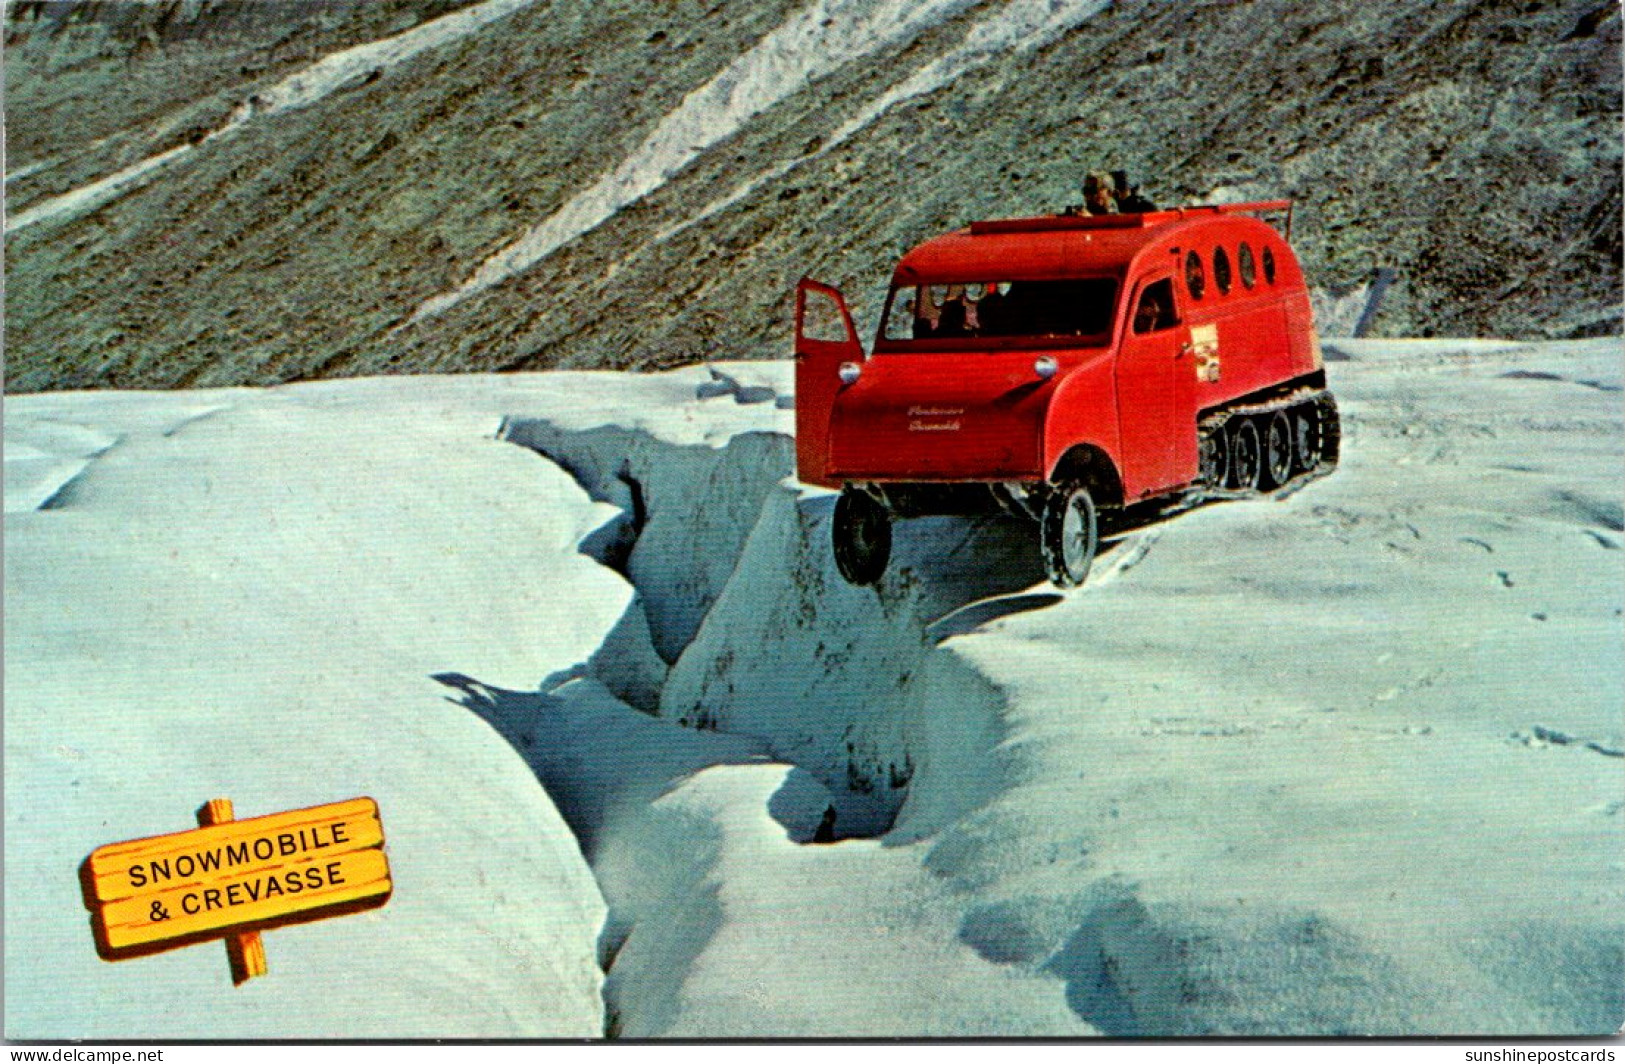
(1046, 367)
(850, 372)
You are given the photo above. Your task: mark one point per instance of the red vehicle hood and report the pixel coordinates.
(941, 416)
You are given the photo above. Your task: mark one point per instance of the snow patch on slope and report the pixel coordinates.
(319, 80)
(89, 197)
(1019, 26)
(821, 38)
(30, 170)
(300, 89)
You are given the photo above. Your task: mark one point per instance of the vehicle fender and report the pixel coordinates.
(1082, 411)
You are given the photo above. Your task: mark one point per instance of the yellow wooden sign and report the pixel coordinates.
(236, 876)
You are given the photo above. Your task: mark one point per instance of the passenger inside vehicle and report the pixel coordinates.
(919, 309)
(906, 311)
(1016, 309)
(989, 309)
(1156, 309)
(953, 320)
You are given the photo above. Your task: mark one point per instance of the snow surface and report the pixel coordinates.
(245, 594)
(1347, 761)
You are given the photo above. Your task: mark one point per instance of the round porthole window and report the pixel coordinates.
(1247, 267)
(1269, 264)
(1195, 276)
(1221, 270)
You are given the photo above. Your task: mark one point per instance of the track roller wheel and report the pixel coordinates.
(1277, 451)
(1331, 431)
(1246, 459)
(1215, 457)
(1306, 447)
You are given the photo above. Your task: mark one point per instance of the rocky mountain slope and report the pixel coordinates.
(613, 184)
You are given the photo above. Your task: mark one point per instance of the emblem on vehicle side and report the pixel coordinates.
(1205, 351)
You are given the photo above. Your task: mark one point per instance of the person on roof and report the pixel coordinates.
(1098, 197)
(1129, 200)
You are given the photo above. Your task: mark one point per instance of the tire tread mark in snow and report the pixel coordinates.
(1124, 560)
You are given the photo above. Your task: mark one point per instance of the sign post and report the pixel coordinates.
(234, 879)
(245, 951)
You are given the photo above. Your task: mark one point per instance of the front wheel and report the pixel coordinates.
(1069, 534)
(862, 537)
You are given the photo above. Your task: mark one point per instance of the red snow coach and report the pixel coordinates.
(1065, 369)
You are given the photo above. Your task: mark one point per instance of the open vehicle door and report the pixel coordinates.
(825, 339)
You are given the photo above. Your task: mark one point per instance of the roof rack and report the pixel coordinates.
(1257, 207)
(1053, 222)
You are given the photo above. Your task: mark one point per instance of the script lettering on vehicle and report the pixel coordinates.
(918, 413)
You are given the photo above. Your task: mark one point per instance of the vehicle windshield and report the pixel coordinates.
(1031, 311)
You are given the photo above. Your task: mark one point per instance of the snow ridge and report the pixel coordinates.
(821, 38)
(857, 725)
(43, 459)
(726, 559)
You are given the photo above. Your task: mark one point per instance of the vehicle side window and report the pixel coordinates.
(1195, 276)
(1269, 264)
(1221, 270)
(1155, 311)
(1246, 266)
